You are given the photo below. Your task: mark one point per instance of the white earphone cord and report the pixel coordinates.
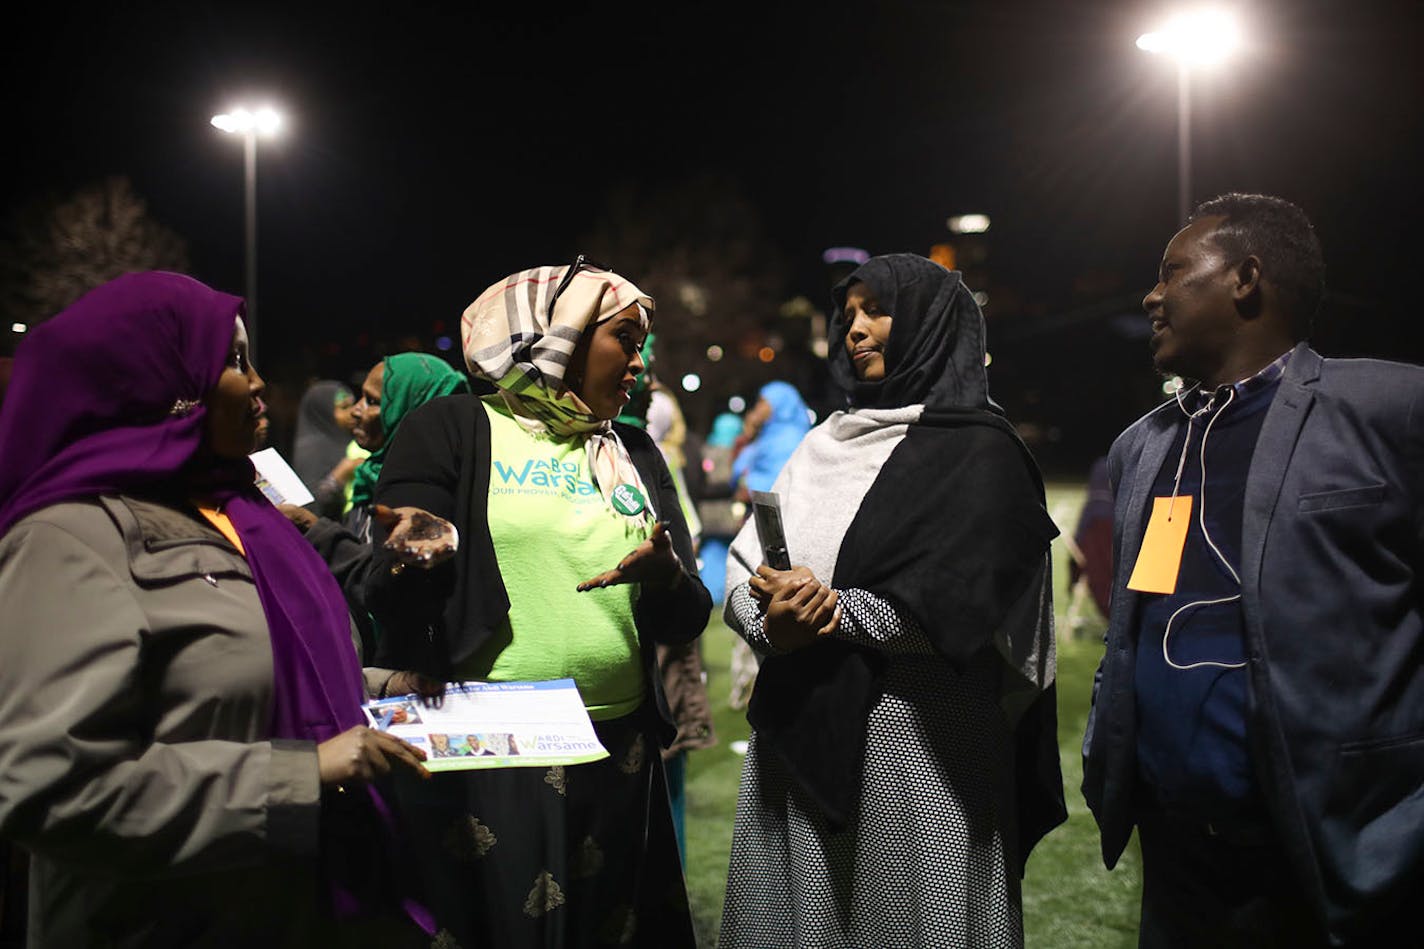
(1201, 520)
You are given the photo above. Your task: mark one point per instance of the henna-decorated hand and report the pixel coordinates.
(653, 561)
(416, 538)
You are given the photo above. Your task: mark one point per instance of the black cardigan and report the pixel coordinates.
(433, 619)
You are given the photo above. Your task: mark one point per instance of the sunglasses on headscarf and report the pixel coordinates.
(581, 262)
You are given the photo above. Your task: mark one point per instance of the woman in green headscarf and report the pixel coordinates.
(392, 389)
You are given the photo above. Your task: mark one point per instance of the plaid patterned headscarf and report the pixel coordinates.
(509, 340)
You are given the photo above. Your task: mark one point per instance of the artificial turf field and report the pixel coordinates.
(1069, 899)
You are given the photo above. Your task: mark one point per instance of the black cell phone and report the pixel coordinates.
(766, 508)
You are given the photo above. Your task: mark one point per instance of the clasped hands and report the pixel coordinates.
(797, 606)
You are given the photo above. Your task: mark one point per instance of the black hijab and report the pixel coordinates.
(953, 530)
(935, 356)
(321, 443)
(966, 481)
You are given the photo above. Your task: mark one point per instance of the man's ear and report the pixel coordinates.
(1247, 290)
(1248, 279)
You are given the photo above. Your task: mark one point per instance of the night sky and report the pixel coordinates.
(430, 152)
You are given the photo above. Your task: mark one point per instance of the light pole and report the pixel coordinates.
(1200, 38)
(250, 125)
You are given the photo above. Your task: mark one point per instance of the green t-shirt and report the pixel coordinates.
(353, 450)
(552, 530)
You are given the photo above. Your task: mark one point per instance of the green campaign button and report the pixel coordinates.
(628, 500)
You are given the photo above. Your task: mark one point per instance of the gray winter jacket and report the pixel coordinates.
(135, 695)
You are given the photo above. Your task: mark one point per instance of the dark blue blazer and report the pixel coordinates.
(1332, 554)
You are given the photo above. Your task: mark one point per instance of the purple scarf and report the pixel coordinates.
(90, 410)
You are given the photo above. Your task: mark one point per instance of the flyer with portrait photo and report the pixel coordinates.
(494, 725)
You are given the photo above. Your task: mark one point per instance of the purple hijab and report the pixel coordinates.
(106, 397)
(89, 411)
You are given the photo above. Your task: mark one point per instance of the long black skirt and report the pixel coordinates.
(583, 855)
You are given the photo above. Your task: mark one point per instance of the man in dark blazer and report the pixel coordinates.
(1259, 711)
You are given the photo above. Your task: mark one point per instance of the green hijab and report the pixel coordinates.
(412, 379)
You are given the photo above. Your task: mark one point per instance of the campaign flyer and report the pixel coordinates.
(494, 725)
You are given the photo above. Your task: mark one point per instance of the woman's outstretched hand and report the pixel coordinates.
(798, 607)
(653, 562)
(360, 755)
(417, 538)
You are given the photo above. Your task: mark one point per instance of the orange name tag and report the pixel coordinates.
(223, 523)
(1160, 558)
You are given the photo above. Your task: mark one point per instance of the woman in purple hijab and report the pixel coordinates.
(181, 737)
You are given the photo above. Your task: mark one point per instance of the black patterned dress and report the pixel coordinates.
(925, 861)
(542, 857)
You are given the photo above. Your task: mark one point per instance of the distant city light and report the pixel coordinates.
(988, 358)
(736, 404)
(693, 297)
(968, 223)
(811, 416)
(981, 298)
(18, 327)
(443, 343)
(714, 353)
(766, 354)
(1200, 37)
(691, 382)
(845, 255)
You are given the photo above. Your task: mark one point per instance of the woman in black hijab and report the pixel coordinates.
(904, 756)
(319, 454)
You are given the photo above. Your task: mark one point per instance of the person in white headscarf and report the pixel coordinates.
(532, 494)
(904, 756)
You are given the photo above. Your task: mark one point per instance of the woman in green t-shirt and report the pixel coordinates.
(553, 546)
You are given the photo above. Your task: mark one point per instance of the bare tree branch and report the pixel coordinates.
(54, 252)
